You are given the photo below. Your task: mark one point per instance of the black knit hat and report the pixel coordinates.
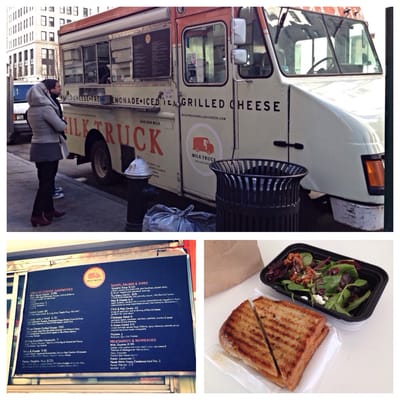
(50, 83)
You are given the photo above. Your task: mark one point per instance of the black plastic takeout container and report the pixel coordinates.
(376, 277)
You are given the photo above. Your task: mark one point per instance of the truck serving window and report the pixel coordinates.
(73, 67)
(87, 64)
(204, 53)
(121, 58)
(259, 62)
(308, 43)
(97, 63)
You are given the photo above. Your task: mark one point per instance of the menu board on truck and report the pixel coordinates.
(116, 317)
(151, 55)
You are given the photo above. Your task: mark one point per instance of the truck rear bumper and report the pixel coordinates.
(366, 217)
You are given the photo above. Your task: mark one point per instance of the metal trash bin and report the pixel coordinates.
(257, 195)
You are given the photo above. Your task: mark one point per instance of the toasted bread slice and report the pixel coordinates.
(241, 336)
(293, 333)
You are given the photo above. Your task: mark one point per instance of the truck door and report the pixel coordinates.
(205, 88)
(262, 96)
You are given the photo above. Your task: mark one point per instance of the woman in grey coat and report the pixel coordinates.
(47, 125)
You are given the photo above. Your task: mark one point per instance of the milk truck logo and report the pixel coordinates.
(203, 146)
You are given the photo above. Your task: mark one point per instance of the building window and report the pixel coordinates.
(51, 21)
(48, 66)
(51, 36)
(62, 21)
(43, 35)
(43, 20)
(75, 11)
(85, 12)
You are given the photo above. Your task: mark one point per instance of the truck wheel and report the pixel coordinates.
(101, 163)
(11, 139)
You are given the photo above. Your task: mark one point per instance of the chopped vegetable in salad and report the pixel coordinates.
(334, 285)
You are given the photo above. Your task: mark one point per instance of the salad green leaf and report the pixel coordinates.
(351, 269)
(294, 286)
(354, 304)
(335, 285)
(329, 283)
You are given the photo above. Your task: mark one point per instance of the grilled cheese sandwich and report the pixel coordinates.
(276, 338)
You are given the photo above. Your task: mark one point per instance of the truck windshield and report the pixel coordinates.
(309, 43)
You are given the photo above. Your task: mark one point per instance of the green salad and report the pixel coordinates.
(335, 285)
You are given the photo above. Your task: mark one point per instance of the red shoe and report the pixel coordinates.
(54, 214)
(41, 221)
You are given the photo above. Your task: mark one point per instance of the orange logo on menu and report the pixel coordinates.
(94, 277)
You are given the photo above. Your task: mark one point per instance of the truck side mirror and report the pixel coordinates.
(239, 56)
(238, 31)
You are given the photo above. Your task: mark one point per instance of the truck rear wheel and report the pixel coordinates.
(101, 163)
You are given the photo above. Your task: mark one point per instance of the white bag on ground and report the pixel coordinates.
(161, 218)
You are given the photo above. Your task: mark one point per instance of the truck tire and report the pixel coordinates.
(11, 138)
(101, 163)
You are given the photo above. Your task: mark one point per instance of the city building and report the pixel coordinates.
(32, 42)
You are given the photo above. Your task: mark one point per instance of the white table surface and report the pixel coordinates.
(363, 362)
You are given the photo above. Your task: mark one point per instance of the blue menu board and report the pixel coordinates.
(115, 317)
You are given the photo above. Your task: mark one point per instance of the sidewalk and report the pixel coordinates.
(87, 209)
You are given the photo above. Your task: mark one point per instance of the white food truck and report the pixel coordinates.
(182, 87)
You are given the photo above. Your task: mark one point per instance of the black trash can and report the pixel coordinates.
(257, 195)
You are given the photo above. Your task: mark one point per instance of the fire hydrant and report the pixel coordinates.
(138, 174)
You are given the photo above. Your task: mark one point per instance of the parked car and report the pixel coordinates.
(20, 106)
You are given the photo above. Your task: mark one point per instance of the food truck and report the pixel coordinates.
(182, 87)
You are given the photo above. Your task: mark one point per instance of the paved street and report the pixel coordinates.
(87, 209)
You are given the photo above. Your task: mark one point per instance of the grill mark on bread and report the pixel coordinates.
(241, 336)
(266, 339)
(245, 344)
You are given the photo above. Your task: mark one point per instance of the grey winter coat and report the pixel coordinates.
(44, 116)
